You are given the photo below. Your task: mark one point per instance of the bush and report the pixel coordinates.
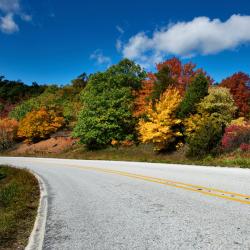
(206, 139)
(8, 132)
(38, 125)
(236, 136)
(161, 127)
(245, 147)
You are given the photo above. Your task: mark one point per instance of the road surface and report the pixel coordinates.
(126, 205)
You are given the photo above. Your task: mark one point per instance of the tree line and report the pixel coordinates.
(176, 107)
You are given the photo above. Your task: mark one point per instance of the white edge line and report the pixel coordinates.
(37, 235)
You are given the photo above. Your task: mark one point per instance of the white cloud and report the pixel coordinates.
(26, 17)
(10, 9)
(8, 25)
(100, 58)
(118, 44)
(9, 5)
(201, 36)
(120, 29)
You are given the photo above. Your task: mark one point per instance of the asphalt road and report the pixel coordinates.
(126, 205)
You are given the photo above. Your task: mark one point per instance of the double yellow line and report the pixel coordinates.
(242, 198)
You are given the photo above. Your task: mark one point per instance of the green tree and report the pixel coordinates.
(206, 139)
(108, 104)
(163, 79)
(196, 91)
(65, 99)
(205, 129)
(218, 102)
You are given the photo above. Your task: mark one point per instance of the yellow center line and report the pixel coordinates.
(242, 198)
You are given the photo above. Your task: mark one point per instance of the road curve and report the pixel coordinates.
(128, 205)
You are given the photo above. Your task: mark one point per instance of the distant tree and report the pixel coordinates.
(80, 81)
(239, 85)
(65, 99)
(16, 91)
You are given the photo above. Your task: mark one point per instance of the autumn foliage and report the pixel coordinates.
(171, 73)
(205, 129)
(239, 88)
(142, 98)
(236, 135)
(123, 106)
(181, 74)
(38, 125)
(161, 127)
(8, 132)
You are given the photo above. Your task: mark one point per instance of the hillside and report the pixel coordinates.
(176, 114)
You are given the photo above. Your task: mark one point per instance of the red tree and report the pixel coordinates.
(182, 74)
(238, 84)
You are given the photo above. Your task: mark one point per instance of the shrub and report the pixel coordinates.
(245, 147)
(206, 138)
(38, 125)
(8, 132)
(161, 127)
(235, 136)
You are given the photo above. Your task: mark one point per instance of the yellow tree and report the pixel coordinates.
(38, 125)
(161, 127)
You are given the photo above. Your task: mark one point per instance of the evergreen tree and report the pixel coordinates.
(197, 90)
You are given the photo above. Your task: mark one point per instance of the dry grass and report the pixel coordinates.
(19, 198)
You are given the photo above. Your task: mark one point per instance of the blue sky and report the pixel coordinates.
(53, 41)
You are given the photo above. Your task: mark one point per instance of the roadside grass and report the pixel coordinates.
(143, 153)
(19, 199)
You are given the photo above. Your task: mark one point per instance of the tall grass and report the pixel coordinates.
(19, 196)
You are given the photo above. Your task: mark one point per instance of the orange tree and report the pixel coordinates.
(8, 132)
(38, 125)
(142, 98)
